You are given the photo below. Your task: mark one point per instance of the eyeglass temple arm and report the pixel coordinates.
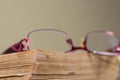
(17, 47)
(68, 39)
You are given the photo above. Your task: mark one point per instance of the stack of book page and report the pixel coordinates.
(55, 65)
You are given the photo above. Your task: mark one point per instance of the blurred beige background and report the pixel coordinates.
(76, 17)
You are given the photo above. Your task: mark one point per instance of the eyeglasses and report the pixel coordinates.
(97, 42)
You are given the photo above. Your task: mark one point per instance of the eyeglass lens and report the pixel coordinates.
(48, 41)
(100, 41)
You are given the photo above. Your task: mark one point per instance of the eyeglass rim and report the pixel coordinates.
(98, 52)
(45, 30)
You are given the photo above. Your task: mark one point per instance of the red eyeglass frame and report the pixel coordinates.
(19, 46)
